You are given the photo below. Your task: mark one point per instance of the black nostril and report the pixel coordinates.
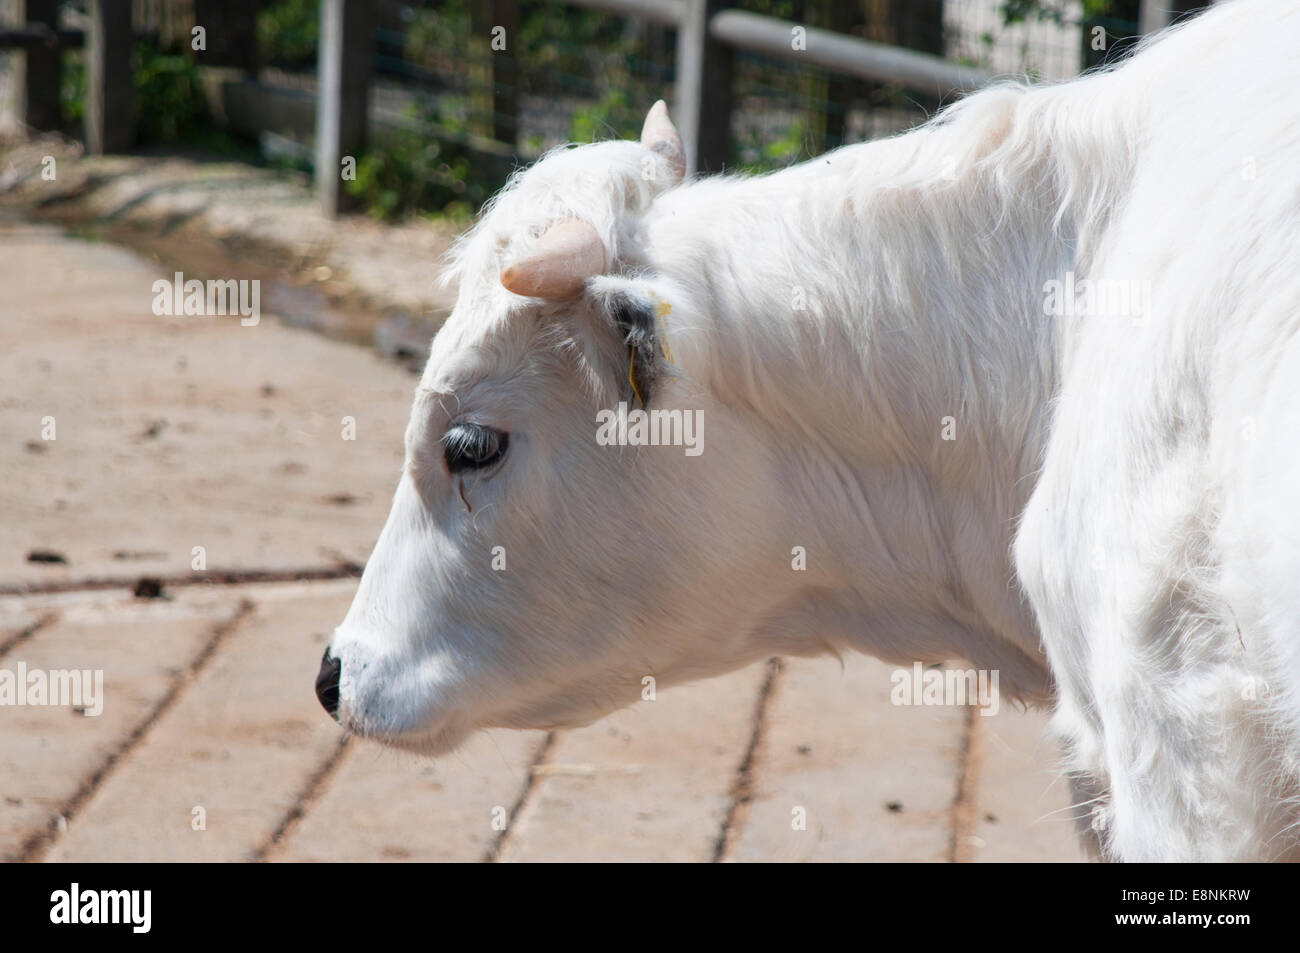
(327, 683)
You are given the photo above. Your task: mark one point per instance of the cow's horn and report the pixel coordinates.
(567, 254)
(659, 135)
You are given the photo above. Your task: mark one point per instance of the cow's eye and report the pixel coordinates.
(472, 447)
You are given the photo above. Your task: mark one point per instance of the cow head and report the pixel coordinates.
(536, 569)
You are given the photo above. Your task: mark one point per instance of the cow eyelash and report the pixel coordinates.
(473, 447)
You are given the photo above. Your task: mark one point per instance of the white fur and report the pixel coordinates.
(1101, 524)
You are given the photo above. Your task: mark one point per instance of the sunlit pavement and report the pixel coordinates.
(188, 450)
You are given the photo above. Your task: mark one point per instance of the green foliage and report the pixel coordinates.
(755, 153)
(435, 39)
(414, 170)
(72, 95)
(169, 103)
(787, 149)
(563, 40)
(613, 116)
(170, 107)
(287, 32)
(1055, 11)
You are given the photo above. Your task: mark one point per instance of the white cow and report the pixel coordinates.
(1021, 383)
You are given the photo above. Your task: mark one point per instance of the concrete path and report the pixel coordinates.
(181, 437)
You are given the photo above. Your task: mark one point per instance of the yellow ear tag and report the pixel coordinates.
(662, 310)
(631, 375)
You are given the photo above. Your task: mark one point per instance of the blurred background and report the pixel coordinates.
(186, 501)
(460, 91)
(403, 112)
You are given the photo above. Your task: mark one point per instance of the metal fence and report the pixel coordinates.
(755, 83)
(748, 87)
(589, 67)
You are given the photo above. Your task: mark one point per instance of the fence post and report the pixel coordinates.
(41, 75)
(494, 82)
(829, 94)
(231, 33)
(109, 123)
(703, 89)
(342, 93)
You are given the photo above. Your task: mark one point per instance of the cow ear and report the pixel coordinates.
(634, 313)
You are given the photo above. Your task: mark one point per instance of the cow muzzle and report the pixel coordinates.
(327, 683)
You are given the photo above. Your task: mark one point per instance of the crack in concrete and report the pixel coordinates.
(965, 804)
(745, 785)
(214, 577)
(22, 635)
(39, 843)
(310, 795)
(520, 810)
